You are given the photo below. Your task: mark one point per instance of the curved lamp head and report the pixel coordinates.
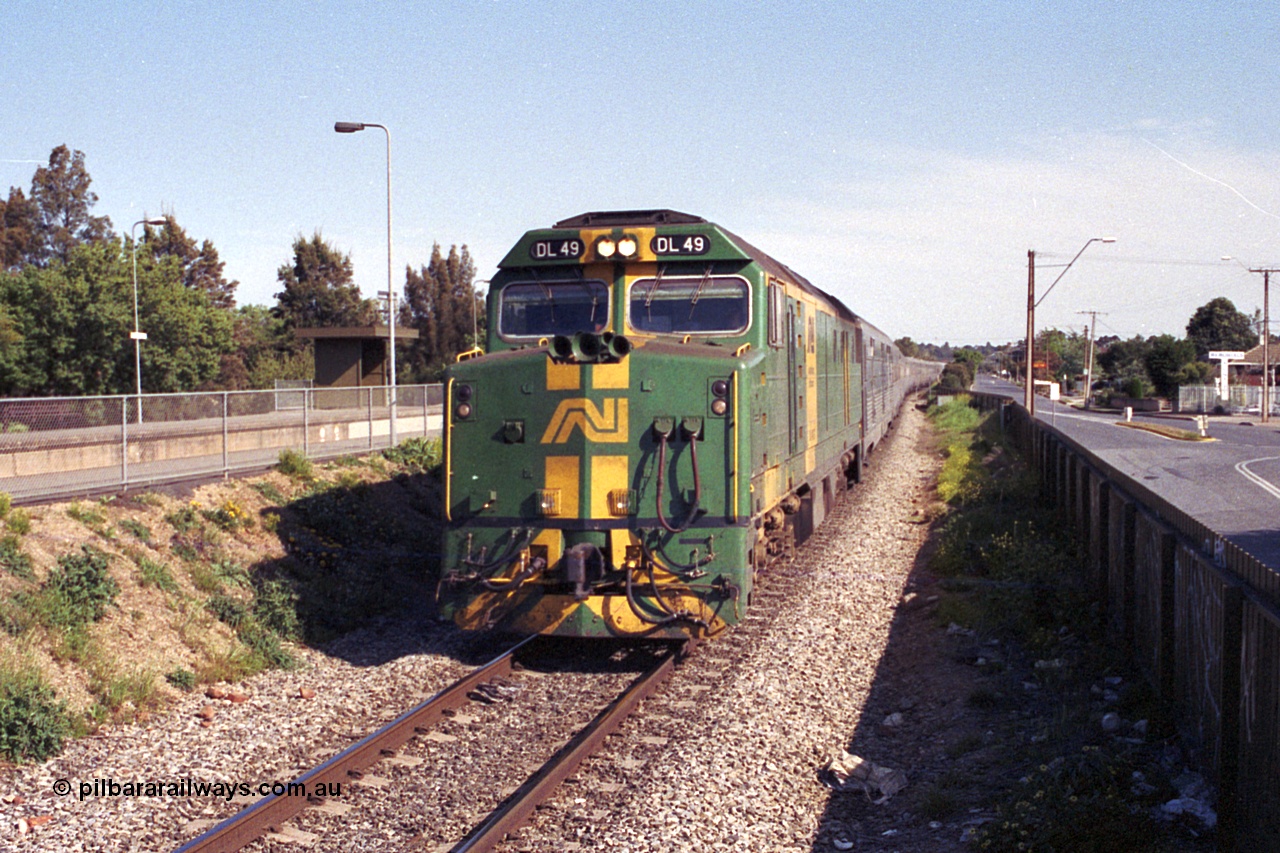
(347, 126)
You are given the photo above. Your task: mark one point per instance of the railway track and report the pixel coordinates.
(484, 684)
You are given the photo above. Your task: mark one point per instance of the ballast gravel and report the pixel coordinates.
(726, 758)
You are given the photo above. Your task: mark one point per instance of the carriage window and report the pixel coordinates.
(543, 308)
(690, 305)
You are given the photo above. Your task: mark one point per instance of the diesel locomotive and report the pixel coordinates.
(661, 407)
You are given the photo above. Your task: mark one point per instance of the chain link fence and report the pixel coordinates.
(66, 446)
(1241, 399)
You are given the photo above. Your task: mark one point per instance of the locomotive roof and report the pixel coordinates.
(661, 221)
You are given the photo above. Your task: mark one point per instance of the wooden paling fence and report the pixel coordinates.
(1200, 615)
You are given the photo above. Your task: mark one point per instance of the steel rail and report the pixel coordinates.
(272, 811)
(517, 808)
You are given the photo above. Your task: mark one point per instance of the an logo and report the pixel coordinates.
(607, 424)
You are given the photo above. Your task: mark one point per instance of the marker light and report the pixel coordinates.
(463, 411)
(620, 501)
(548, 501)
(627, 247)
(719, 406)
(606, 248)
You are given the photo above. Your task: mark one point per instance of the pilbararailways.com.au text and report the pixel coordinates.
(189, 788)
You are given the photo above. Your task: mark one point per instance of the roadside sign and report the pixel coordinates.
(1229, 355)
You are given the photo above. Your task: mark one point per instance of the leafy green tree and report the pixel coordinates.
(70, 326)
(318, 289)
(441, 302)
(62, 199)
(1166, 360)
(1217, 325)
(907, 347)
(970, 356)
(201, 267)
(1125, 360)
(263, 352)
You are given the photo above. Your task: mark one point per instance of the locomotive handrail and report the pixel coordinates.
(448, 450)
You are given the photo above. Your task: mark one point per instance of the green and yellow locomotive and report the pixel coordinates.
(661, 406)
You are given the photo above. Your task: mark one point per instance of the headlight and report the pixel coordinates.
(606, 248)
(627, 247)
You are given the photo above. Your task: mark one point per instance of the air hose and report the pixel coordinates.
(697, 483)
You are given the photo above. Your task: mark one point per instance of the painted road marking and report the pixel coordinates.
(1243, 468)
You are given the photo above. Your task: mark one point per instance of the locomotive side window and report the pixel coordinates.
(530, 309)
(697, 305)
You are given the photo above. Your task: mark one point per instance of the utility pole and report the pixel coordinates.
(1029, 398)
(1265, 408)
(1091, 332)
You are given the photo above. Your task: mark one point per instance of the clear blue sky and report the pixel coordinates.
(904, 157)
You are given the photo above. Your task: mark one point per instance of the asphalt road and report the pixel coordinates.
(1232, 484)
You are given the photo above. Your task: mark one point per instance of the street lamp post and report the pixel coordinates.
(1032, 304)
(137, 335)
(353, 127)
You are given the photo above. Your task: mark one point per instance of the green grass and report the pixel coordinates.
(1175, 433)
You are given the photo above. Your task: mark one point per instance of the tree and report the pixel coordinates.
(62, 199)
(1217, 325)
(1125, 360)
(440, 302)
(1166, 360)
(201, 268)
(907, 347)
(318, 289)
(68, 324)
(17, 229)
(263, 352)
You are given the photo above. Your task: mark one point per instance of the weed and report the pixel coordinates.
(417, 454)
(275, 606)
(232, 663)
(271, 521)
(229, 571)
(1080, 801)
(79, 591)
(33, 724)
(203, 577)
(155, 574)
(295, 464)
(183, 679)
(184, 520)
(116, 692)
(87, 516)
(230, 516)
(269, 491)
(19, 521)
(5, 503)
(136, 529)
(13, 560)
(230, 611)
